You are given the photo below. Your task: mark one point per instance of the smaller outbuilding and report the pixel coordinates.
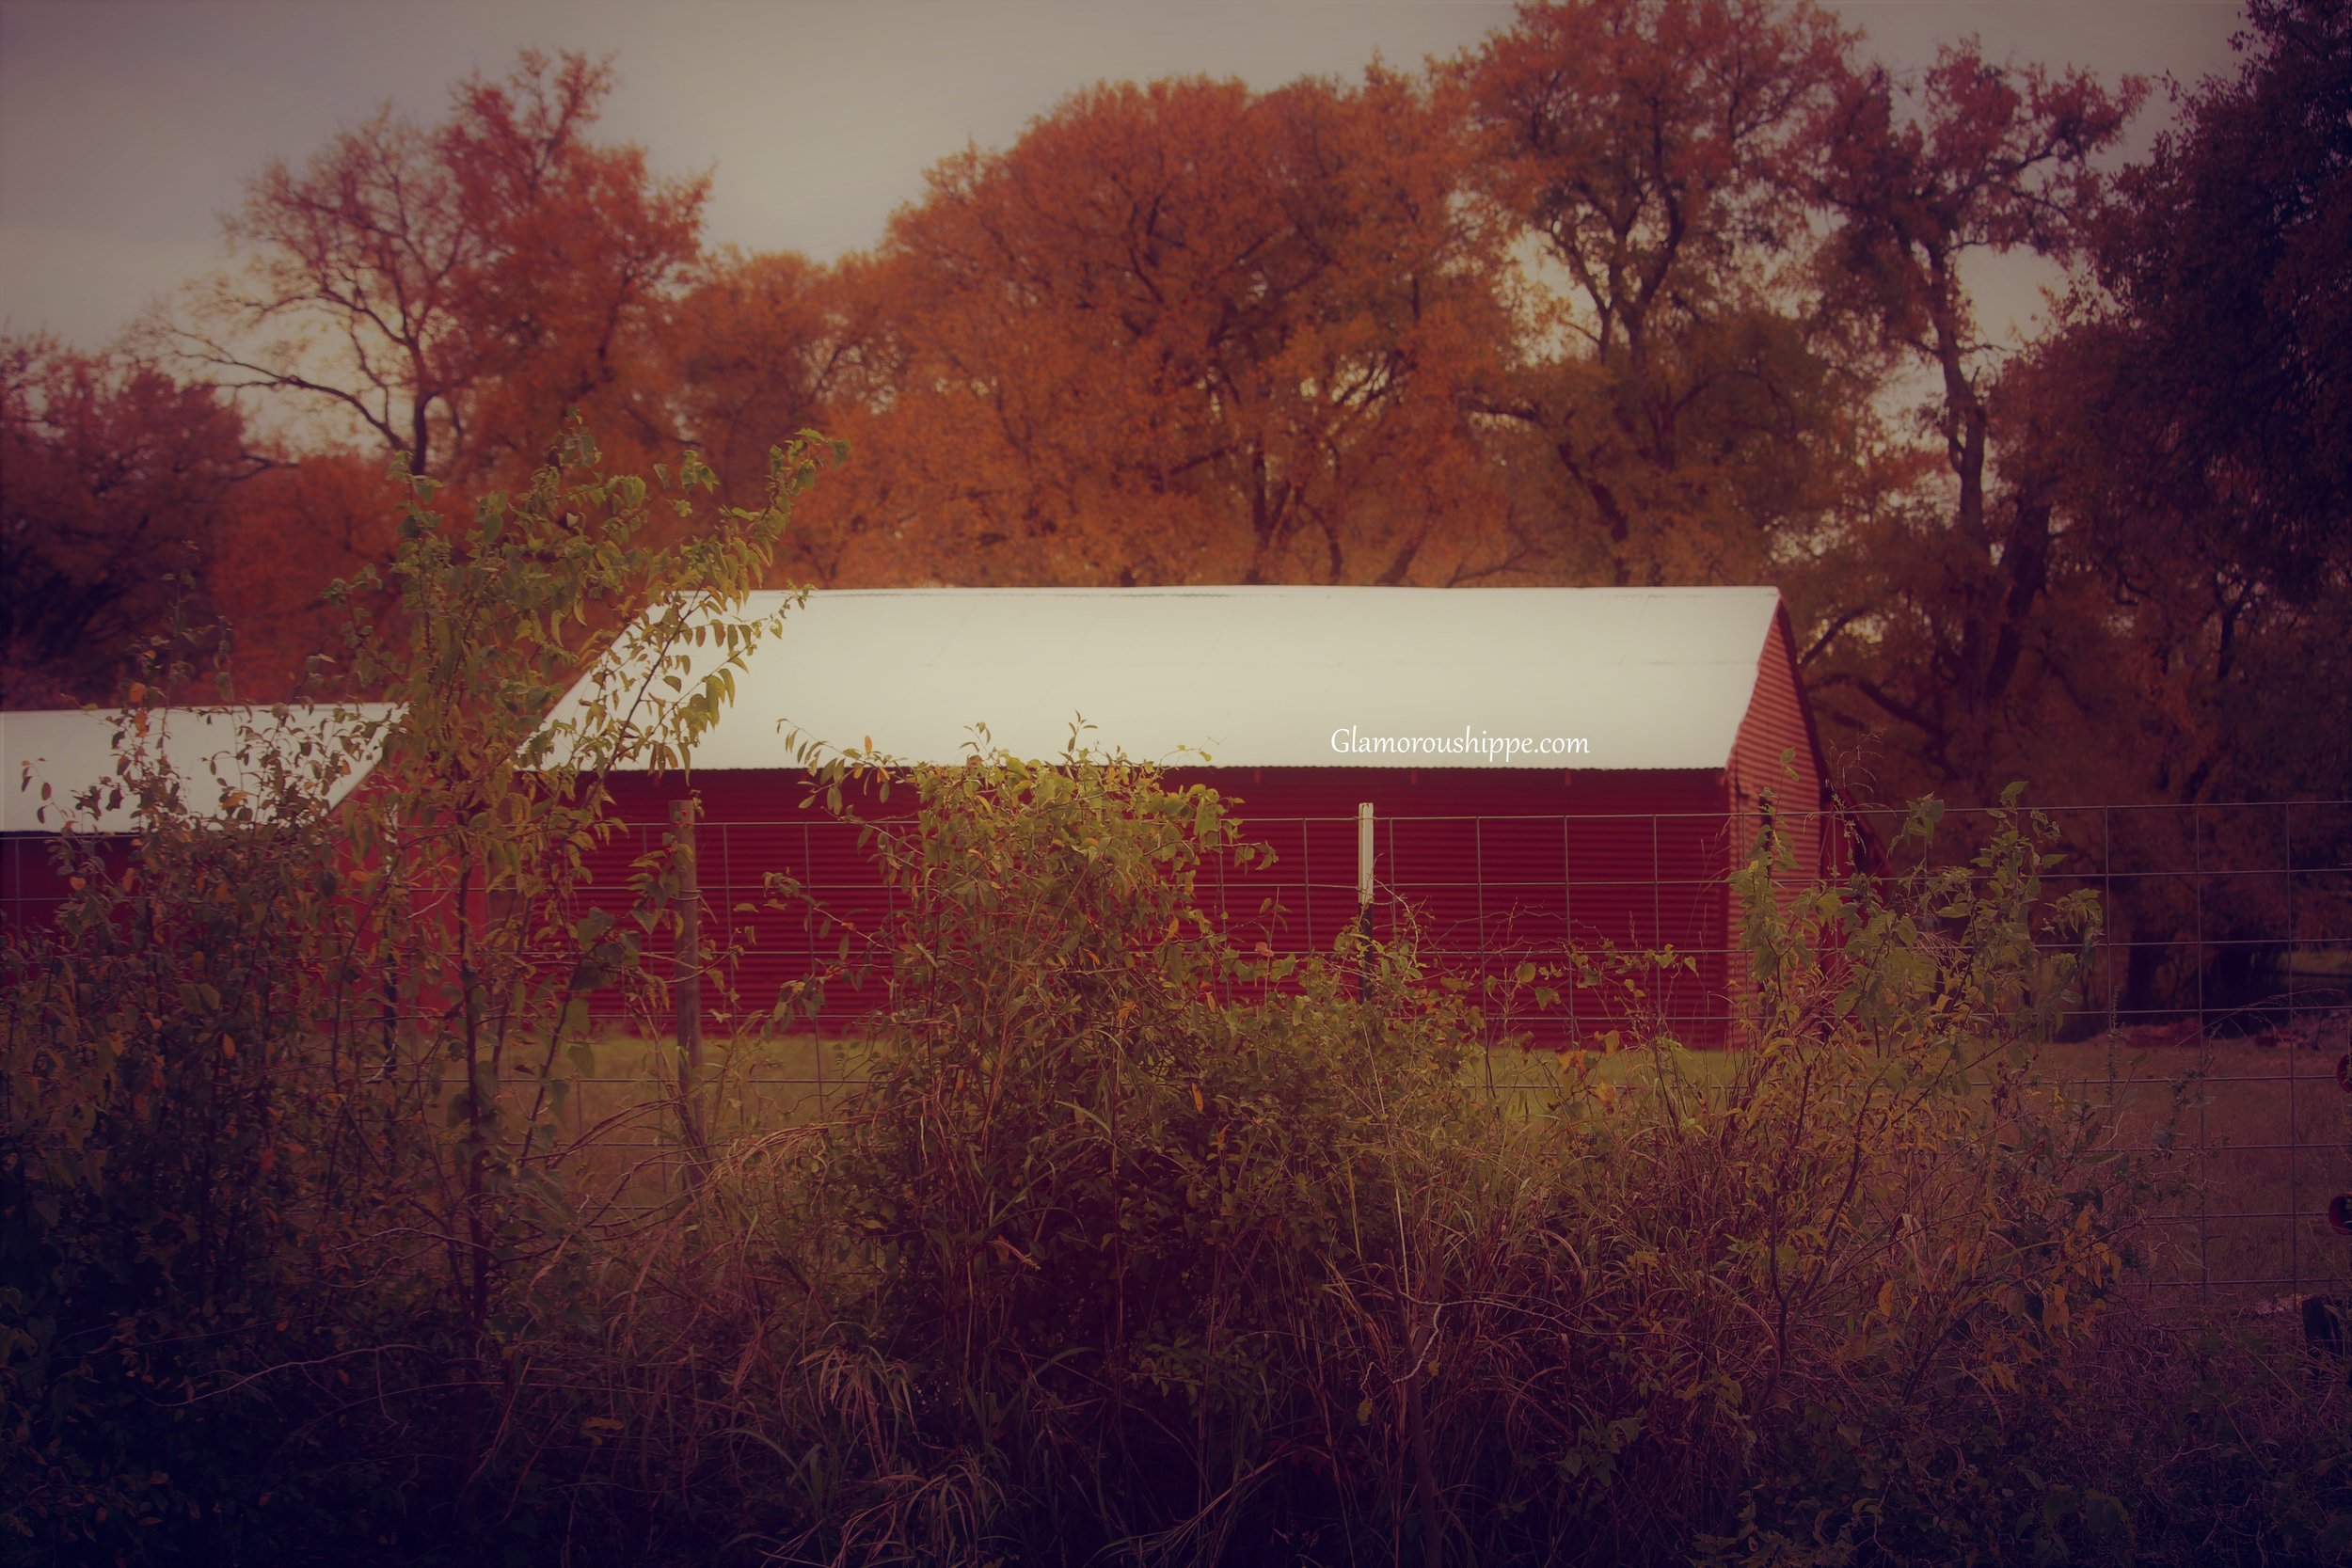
(54, 760)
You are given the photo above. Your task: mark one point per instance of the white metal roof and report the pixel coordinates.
(1648, 677)
(73, 750)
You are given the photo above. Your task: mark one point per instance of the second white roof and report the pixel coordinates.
(70, 752)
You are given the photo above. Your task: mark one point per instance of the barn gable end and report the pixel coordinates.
(1777, 756)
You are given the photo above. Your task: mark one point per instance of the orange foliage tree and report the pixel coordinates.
(1190, 333)
(297, 527)
(761, 347)
(1685, 408)
(114, 480)
(452, 292)
(445, 295)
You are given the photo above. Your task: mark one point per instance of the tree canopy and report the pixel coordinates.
(1636, 291)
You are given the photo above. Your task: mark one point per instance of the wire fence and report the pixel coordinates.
(2213, 1027)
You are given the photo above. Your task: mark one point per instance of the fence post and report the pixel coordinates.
(2295, 1070)
(2204, 1065)
(1363, 890)
(688, 989)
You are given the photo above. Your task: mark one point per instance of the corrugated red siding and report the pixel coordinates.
(31, 886)
(752, 828)
(1487, 867)
(1776, 752)
(1777, 763)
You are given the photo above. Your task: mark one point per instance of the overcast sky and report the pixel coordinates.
(127, 127)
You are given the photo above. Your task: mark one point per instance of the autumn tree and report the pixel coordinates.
(2193, 447)
(1685, 407)
(449, 292)
(114, 480)
(760, 347)
(294, 529)
(1185, 332)
(2213, 421)
(1946, 621)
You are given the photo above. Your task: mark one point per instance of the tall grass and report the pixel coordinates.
(1091, 1268)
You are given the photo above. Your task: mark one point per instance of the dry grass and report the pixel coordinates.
(2250, 1141)
(2257, 1139)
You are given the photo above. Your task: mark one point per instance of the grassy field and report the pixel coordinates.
(2261, 1138)
(2254, 1140)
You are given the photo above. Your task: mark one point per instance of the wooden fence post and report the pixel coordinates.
(686, 990)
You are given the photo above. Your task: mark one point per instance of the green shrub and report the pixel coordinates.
(168, 1213)
(284, 1203)
(1059, 1262)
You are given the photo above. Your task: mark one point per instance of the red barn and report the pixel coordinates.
(1543, 765)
